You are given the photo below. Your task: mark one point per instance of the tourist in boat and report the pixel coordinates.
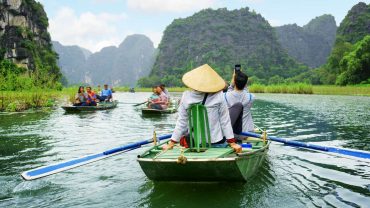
(91, 97)
(240, 101)
(206, 87)
(80, 97)
(160, 101)
(163, 88)
(106, 94)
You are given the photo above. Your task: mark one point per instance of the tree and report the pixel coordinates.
(355, 66)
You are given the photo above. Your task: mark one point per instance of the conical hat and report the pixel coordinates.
(203, 79)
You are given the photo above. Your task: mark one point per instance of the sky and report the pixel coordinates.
(94, 24)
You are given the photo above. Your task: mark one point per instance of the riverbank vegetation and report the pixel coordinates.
(295, 88)
(12, 101)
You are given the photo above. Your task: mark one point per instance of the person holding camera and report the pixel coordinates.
(240, 101)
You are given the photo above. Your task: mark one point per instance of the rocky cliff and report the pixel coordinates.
(310, 44)
(23, 29)
(25, 41)
(356, 25)
(221, 38)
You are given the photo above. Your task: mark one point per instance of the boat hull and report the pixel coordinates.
(148, 111)
(236, 168)
(101, 106)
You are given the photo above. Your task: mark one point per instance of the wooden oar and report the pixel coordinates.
(140, 103)
(62, 166)
(349, 152)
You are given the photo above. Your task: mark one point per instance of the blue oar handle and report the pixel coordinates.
(349, 152)
(135, 145)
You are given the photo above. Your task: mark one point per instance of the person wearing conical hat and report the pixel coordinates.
(205, 84)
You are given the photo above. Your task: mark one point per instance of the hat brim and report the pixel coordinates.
(204, 79)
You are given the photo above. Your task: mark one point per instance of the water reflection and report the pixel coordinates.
(209, 194)
(290, 177)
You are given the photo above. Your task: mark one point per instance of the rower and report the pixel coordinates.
(206, 87)
(106, 94)
(239, 101)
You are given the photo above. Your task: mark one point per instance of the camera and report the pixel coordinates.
(237, 67)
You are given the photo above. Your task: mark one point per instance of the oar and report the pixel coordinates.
(140, 103)
(66, 165)
(349, 152)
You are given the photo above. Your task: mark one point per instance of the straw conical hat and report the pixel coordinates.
(203, 79)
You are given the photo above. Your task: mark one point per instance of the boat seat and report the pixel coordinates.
(199, 132)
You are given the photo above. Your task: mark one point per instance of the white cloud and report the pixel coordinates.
(89, 30)
(176, 6)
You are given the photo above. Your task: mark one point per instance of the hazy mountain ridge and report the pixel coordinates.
(72, 61)
(348, 62)
(122, 65)
(310, 44)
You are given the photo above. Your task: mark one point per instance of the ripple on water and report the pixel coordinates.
(290, 177)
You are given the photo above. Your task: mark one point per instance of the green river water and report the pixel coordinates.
(290, 177)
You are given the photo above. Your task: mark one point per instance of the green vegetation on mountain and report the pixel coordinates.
(26, 56)
(221, 38)
(310, 44)
(349, 60)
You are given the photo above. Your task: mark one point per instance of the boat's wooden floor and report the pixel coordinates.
(207, 154)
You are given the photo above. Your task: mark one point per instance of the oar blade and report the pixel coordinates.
(59, 167)
(66, 165)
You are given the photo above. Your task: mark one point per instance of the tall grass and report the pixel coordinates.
(363, 90)
(19, 101)
(295, 88)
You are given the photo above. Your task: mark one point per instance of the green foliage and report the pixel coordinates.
(33, 45)
(37, 12)
(355, 66)
(356, 25)
(296, 88)
(348, 62)
(32, 98)
(221, 38)
(276, 80)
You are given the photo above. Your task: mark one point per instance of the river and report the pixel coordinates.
(290, 177)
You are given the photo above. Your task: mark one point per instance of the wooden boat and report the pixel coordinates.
(212, 164)
(149, 111)
(171, 109)
(99, 106)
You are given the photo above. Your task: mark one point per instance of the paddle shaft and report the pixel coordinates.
(66, 165)
(140, 103)
(349, 152)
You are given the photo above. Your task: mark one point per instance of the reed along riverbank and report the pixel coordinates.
(296, 88)
(16, 101)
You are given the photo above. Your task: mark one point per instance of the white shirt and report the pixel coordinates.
(218, 115)
(246, 98)
(166, 92)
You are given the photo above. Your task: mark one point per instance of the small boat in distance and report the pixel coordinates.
(172, 108)
(211, 164)
(99, 106)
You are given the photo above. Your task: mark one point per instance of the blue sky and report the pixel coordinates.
(94, 24)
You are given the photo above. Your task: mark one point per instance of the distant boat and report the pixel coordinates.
(99, 106)
(211, 164)
(132, 90)
(172, 108)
